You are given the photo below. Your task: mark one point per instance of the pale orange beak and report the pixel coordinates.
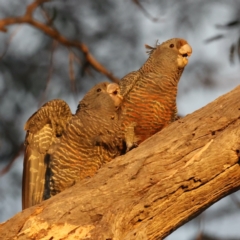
(184, 52)
(113, 89)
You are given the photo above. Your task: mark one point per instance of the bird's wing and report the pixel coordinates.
(43, 128)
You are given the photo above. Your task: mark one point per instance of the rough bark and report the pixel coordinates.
(148, 193)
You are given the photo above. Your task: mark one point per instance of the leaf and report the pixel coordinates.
(217, 37)
(234, 23)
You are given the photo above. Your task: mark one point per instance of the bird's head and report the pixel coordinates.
(104, 95)
(173, 49)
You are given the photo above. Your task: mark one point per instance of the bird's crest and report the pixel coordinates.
(151, 49)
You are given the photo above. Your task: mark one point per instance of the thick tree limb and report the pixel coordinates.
(152, 190)
(54, 34)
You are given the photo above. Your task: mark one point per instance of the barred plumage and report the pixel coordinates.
(150, 93)
(61, 148)
(92, 138)
(43, 128)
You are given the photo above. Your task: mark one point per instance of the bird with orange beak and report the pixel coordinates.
(150, 93)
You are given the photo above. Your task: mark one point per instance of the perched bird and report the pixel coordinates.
(92, 138)
(61, 148)
(150, 93)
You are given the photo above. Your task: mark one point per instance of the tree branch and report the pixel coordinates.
(152, 190)
(53, 33)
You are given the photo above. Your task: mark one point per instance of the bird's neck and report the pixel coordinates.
(162, 68)
(100, 111)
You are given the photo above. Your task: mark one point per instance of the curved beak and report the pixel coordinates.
(113, 89)
(185, 50)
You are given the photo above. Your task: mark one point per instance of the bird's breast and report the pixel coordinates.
(150, 107)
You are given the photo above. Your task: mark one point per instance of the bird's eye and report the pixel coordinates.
(115, 92)
(99, 90)
(171, 45)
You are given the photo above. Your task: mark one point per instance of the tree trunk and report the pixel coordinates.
(152, 190)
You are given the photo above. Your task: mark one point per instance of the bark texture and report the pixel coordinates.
(152, 190)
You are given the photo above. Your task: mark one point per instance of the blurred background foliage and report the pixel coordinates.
(34, 68)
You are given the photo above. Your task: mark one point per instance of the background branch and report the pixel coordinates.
(54, 34)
